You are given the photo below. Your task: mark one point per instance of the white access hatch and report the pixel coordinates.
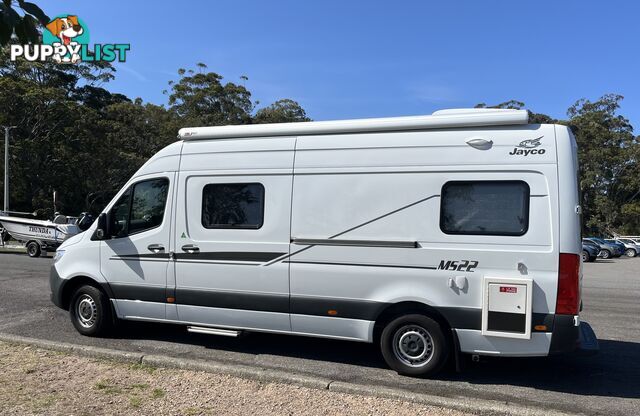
(506, 309)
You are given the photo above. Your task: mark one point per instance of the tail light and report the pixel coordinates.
(568, 301)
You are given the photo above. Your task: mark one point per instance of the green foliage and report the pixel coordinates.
(83, 141)
(23, 25)
(201, 99)
(609, 154)
(282, 111)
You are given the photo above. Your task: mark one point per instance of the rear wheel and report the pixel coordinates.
(606, 254)
(33, 249)
(414, 345)
(630, 252)
(90, 311)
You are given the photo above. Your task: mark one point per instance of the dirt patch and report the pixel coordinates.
(36, 381)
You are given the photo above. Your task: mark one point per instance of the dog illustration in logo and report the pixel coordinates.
(66, 28)
(531, 143)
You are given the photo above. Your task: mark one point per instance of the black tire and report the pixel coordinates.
(606, 254)
(630, 252)
(90, 311)
(414, 345)
(33, 249)
(585, 256)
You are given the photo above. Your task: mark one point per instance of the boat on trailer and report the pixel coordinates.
(38, 235)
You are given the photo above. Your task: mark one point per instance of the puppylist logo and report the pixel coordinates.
(66, 40)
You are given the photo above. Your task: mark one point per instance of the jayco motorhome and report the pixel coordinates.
(433, 236)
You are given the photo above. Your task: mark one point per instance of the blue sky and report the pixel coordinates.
(349, 59)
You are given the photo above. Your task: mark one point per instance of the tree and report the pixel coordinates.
(25, 26)
(282, 111)
(84, 141)
(608, 154)
(201, 99)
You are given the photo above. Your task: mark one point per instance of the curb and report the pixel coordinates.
(463, 404)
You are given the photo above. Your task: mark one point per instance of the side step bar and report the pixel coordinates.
(213, 331)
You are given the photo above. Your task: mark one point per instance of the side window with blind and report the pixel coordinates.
(485, 208)
(233, 205)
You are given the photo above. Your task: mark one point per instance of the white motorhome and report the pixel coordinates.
(434, 236)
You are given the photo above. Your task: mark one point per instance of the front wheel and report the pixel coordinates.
(33, 249)
(630, 252)
(414, 345)
(90, 311)
(606, 254)
(585, 256)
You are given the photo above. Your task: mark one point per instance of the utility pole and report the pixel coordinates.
(6, 166)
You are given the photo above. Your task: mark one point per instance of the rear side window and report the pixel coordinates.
(485, 208)
(233, 205)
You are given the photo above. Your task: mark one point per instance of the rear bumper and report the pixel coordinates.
(569, 337)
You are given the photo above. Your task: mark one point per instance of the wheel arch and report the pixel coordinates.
(75, 282)
(398, 309)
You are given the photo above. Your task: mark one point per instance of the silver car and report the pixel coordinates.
(632, 248)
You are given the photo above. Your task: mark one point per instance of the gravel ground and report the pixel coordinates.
(36, 381)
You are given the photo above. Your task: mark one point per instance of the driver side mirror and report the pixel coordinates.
(103, 229)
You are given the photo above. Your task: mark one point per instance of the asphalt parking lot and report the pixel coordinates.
(608, 383)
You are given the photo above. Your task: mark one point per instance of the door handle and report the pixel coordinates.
(190, 248)
(156, 248)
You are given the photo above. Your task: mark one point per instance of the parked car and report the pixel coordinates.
(619, 246)
(632, 240)
(607, 250)
(589, 252)
(631, 249)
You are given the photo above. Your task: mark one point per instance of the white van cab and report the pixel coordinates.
(434, 236)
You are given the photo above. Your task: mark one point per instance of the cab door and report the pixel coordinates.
(135, 259)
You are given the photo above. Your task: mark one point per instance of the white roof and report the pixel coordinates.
(454, 118)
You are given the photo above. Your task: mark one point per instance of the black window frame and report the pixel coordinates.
(526, 197)
(231, 226)
(131, 189)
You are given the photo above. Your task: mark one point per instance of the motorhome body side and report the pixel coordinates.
(337, 235)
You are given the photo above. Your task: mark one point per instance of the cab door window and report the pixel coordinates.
(120, 215)
(140, 208)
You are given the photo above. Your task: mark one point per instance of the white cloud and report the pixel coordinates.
(139, 76)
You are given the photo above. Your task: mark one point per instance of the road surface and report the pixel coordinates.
(607, 384)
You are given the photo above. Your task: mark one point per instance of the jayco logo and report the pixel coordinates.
(66, 40)
(528, 147)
